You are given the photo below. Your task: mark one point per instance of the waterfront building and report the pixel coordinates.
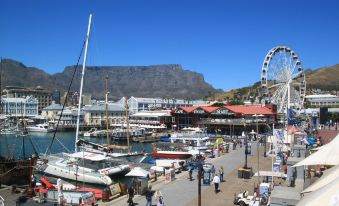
(224, 118)
(51, 111)
(137, 104)
(322, 100)
(43, 96)
(19, 106)
(95, 115)
(152, 119)
(56, 96)
(73, 99)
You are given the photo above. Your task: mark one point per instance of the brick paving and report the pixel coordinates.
(233, 184)
(182, 192)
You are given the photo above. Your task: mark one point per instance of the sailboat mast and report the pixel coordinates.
(127, 125)
(107, 119)
(82, 80)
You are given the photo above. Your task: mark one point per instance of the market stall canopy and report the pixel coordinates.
(325, 196)
(137, 172)
(328, 176)
(270, 174)
(326, 155)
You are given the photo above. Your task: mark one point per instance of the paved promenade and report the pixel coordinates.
(182, 192)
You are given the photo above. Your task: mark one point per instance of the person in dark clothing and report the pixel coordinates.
(149, 195)
(190, 174)
(130, 196)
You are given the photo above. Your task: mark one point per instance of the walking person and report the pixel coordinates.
(149, 195)
(221, 173)
(213, 170)
(130, 196)
(216, 181)
(190, 173)
(158, 195)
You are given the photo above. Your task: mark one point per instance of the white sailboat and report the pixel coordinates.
(83, 166)
(108, 149)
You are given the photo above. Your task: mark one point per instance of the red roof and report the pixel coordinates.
(249, 110)
(209, 109)
(239, 109)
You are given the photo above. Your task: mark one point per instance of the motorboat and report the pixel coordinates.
(44, 128)
(7, 131)
(189, 135)
(94, 132)
(170, 152)
(86, 167)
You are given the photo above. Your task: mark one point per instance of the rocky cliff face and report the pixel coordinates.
(168, 80)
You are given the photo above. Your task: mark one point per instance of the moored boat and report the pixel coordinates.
(43, 128)
(171, 154)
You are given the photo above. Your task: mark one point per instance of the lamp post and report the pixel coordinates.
(257, 133)
(244, 135)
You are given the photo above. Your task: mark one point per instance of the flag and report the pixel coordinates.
(279, 134)
(291, 117)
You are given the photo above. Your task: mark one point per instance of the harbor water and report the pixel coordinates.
(25, 146)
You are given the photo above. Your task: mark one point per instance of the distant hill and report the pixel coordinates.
(168, 80)
(325, 78)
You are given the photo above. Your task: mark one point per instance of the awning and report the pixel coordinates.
(326, 155)
(328, 176)
(137, 172)
(325, 196)
(270, 174)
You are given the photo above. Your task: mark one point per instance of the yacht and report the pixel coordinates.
(189, 135)
(40, 128)
(86, 167)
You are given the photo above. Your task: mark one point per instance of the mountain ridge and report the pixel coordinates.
(165, 80)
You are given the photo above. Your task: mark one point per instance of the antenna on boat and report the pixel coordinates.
(127, 124)
(82, 80)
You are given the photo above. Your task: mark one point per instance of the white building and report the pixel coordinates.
(23, 106)
(137, 104)
(69, 115)
(51, 112)
(323, 100)
(95, 115)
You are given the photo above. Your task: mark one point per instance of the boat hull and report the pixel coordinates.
(57, 169)
(171, 155)
(16, 171)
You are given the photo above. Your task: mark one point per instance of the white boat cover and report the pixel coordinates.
(89, 156)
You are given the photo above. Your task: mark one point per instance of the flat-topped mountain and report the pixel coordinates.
(168, 80)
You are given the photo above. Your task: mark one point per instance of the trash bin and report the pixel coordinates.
(240, 173)
(247, 173)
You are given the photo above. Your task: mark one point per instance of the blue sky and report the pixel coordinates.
(225, 40)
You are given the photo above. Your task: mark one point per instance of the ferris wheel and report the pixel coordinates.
(283, 79)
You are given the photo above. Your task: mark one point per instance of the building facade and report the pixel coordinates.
(322, 100)
(224, 118)
(43, 96)
(95, 115)
(137, 104)
(19, 107)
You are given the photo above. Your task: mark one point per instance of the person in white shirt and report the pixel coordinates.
(216, 181)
